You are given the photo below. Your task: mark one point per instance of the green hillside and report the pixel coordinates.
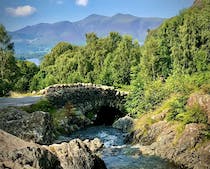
(175, 59)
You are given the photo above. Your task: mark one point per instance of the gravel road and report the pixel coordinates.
(19, 101)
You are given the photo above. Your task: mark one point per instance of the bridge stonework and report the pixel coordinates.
(85, 97)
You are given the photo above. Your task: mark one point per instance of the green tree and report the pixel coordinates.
(104, 60)
(27, 71)
(125, 56)
(106, 75)
(8, 68)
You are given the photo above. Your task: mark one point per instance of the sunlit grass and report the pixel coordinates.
(22, 94)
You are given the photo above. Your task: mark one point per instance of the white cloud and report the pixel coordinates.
(21, 11)
(82, 2)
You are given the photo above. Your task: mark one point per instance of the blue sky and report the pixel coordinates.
(15, 14)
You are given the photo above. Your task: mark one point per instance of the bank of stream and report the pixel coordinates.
(116, 154)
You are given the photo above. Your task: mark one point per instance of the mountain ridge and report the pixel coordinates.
(36, 40)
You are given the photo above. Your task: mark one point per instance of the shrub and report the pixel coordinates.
(154, 94)
(146, 97)
(179, 112)
(176, 107)
(193, 114)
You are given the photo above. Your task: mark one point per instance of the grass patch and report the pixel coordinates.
(166, 105)
(41, 105)
(206, 134)
(144, 121)
(149, 118)
(58, 116)
(179, 127)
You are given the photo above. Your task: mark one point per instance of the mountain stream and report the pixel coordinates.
(116, 154)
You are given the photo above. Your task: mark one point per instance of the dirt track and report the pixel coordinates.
(19, 101)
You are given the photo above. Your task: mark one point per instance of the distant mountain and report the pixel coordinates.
(34, 41)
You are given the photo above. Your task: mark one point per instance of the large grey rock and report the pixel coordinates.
(18, 154)
(76, 155)
(125, 123)
(186, 148)
(36, 126)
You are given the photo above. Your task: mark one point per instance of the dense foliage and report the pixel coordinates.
(8, 68)
(108, 61)
(14, 75)
(175, 59)
(27, 70)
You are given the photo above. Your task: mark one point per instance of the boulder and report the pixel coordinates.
(19, 154)
(76, 155)
(36, 126)
(16, 153)
(190, 149)
(153, 132)
(187, 147)
(125, 123)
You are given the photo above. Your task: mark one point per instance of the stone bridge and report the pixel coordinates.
(106, 103)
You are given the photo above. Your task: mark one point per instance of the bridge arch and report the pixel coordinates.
(105, 102)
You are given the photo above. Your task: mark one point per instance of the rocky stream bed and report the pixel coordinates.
(32, 143)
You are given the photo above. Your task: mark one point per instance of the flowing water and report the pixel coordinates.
(116, 154)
